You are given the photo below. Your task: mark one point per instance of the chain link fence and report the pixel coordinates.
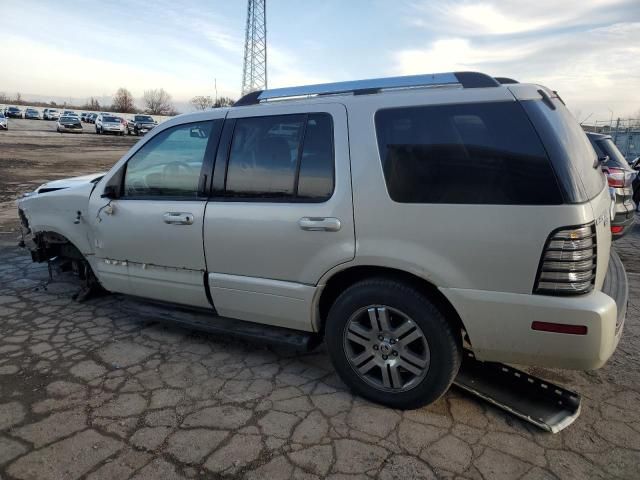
(624, 132)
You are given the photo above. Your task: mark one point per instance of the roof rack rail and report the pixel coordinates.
(505, 80)
(374, 85)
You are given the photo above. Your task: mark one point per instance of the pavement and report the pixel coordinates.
(89, 391)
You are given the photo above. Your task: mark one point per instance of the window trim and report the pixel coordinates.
(206, 169)
(223, 156)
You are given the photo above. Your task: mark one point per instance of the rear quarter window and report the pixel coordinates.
(482, 153)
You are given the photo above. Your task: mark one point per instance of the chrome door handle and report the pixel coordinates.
(322, 224)
(178, 218)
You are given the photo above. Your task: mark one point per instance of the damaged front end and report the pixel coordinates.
(54, 230)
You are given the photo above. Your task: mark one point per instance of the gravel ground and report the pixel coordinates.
(32, 153)
(90, 391)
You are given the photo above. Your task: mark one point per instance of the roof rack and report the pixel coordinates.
(506, 80)
(374, 85)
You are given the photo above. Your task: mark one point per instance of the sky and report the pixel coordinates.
(587, 50)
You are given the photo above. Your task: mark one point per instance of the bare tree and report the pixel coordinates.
(3, 97)
(201, 102)
(92, 104)
(123, 101)
(223, 102)
(158, 102)
(18, 97)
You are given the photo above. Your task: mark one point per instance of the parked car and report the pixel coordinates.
(4, 123)
(50, 114)
(106, 123)
(69, 123)
(394, 220)
(32, 114)
(620, 177)
(140, 124)
(13, 112)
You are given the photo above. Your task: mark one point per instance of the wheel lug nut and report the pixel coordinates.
(375, 347)
(384, 357)
(392, 341)
(395, 354)
(380, 337)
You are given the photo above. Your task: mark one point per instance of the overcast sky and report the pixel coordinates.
(588, 50)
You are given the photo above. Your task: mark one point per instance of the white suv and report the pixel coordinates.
(396, 218)
(107, 123)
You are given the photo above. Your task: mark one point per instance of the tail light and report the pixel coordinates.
(618, 177)
(615, 177)
(568, 262)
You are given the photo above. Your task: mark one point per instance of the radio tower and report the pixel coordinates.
(254, 73)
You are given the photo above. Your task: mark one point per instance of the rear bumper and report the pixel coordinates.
(499, 323)
(625, 218)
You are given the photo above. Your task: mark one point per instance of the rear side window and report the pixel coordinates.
(284, 157)
(479, 153)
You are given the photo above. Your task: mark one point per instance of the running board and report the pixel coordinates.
(207, 321)
(545, 405)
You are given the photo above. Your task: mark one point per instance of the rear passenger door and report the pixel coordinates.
(281, 211)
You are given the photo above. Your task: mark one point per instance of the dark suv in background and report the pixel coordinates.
(620, 176)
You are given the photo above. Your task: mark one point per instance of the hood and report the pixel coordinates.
(69, 182)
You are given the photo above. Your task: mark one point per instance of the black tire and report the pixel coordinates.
(444, 341)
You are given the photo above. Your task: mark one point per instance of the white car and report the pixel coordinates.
(4, 122)
(106, 123)
(398, 219)
(50, 114)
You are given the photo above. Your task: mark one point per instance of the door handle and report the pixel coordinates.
(178, 218)
(320, 224)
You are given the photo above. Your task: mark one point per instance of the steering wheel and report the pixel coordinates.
(176, 168)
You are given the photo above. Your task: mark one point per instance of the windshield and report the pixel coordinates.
(143, 118)
(68, 118)
(112, 119)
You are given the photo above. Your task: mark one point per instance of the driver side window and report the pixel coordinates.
(169, 164)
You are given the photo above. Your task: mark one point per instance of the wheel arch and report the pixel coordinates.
(343, 279)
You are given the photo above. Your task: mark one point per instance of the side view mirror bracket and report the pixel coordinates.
(109, 192)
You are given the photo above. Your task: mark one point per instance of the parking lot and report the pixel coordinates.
(90, 391)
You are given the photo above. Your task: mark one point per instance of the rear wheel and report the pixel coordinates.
(390, 344)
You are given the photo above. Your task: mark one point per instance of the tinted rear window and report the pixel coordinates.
(483, 153)
(573, 158)
(606, 147)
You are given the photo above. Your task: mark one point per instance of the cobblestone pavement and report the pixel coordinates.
(87, 391)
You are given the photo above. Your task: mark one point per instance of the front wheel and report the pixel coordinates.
(391, 344)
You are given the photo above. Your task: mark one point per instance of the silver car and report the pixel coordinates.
(399, 220)
(4, 122)
(106, 123)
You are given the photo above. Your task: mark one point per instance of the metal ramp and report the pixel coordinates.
(545, 405)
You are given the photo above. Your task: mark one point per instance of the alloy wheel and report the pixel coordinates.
(386, 348)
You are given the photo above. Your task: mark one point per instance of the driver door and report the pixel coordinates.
(148, 240)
